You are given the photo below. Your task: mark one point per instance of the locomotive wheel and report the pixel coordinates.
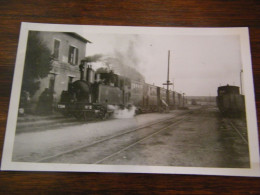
(66, 113)
(104, 116)
(78, 114)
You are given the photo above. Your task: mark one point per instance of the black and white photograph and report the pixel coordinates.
(132, 99)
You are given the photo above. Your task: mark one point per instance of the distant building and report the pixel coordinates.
(68, 49)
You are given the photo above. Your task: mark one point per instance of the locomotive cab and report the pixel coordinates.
(77, 94)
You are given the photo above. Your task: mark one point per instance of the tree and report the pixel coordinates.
(38, 63)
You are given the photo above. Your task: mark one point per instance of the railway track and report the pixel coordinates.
(101, 150)
(241, 131)
(140, 144)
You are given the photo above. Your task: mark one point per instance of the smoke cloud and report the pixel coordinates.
(93, 58)
(119, 113)
(124, 58)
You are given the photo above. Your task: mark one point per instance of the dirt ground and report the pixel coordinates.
(34, 145)
(202, 140)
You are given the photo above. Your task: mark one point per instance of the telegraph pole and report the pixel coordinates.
(168, 83)
(241, 72)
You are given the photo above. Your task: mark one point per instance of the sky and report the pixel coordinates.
(199, 64)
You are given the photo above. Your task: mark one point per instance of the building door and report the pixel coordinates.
(70, 81)
(52, 82)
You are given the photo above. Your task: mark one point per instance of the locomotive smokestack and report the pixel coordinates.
(90, 76)
(97, 77)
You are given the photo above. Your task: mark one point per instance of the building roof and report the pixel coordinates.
(77, 36)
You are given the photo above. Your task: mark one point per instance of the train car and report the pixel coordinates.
(137, 95)
(162, 99)
(181, 100)
(229, 101)
(177, 100)
(163, 94)
(171, 99)
(151, 98)
(145, 97)
(174, 100)
(155, 98)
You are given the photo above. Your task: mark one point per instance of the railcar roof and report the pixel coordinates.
(228, 86)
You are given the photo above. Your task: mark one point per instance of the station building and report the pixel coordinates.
(68, 49)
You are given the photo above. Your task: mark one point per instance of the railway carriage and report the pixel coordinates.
(177, 99)
(162, 99)
(163, 93)
(151, 101)
(137, 94)
(230, 101)
(181, 100)
(171, 99)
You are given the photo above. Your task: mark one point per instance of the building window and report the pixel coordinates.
(73, 55)
(56, 49)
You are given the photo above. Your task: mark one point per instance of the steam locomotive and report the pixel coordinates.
(230, 102)
(99, 93)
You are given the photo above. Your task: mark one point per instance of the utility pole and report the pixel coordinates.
(168, 83)
(183, 99)
(241, 72)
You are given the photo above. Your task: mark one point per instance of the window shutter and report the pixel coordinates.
(77, 54)
(70, 54)
(56, 48)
